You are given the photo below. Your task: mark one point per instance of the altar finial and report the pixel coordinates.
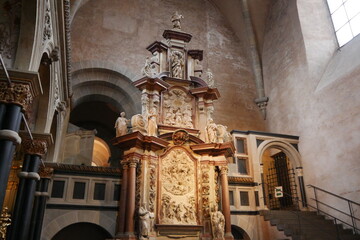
(175, 19)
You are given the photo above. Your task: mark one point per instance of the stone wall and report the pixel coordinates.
(118, 32)
(313, 89)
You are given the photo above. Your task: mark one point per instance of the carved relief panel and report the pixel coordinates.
(177, 108)
(178, 198)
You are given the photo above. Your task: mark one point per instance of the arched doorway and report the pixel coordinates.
(280, 182)
(239, 233)
(82, 230)
(281, 163)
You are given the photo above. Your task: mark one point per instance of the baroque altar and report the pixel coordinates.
(174, 167)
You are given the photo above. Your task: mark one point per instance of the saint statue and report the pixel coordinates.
(209, 78)
(175, 19)
(144, 216)
(152, 125)
(218, 224)
(211, 130)
(121, 125)
(177, 64)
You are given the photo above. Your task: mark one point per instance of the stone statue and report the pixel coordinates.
(177, 64)
(223, 134)
(218, 224)
(121, 125)
(151, 67)
(152, 125)
(146, 70)
(144, 216)
(209, 78)
(175, 19)
(211, 130)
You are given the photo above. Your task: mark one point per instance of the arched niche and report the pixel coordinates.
(82, 230)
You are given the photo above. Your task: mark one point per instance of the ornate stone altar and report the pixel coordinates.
(175, 160)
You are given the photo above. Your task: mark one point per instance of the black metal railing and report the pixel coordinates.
(347, 204)
(336, 221)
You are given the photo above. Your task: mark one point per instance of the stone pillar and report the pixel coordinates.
(41, 197)
(122, 201)
(15, 97)
(225, 201)
(131, 191)
(34, 150)
(299, 171)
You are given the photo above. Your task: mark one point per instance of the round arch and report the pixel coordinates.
(82, 230)
(76, 216)
(288, 149)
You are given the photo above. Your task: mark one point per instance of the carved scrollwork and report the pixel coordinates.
(205, 190)
(47, 32)
(180, 137)
(152, 187)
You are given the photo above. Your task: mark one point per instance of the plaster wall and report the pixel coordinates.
(119, 32)
(313, 89)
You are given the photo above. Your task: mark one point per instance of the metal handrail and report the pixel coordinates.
(333, 194)
(346, 214)
(335, 219)
(349, 203)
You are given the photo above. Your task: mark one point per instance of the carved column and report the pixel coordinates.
(15, 97)
(34, 150)
(131, 191)
(225, 201)
(41, 197)
(122, 201)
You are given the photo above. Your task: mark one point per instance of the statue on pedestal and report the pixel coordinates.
(177, 64)
(218, 224)
(211, 130)
(152, 125)
(121, 125)
(175, 19)
(145, 227)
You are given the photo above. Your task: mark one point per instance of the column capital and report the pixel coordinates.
(38, 146)
(24, 87)
(224, 170)
(46, 172)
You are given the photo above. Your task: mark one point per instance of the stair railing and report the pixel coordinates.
(348, 202)
(336, 220)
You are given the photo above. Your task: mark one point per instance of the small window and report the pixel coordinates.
(257, 202)
(242, 166)
(244, 198)
(117, 188)
(345, 15)
(99, 191)
(57, 189)
(240, 145)
(79, 190)
(231, 198)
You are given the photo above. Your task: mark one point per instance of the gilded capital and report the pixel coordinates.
(46, 172)
(24, 87)
(223, 170)
(34, 147)
(38, 146)
(16, 93)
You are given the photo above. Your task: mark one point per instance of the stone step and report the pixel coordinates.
(312, 226)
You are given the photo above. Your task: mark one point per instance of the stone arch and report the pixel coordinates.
(76, 216)
(236, 231)
(107, 82)
(242, 224)
(288, 149)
